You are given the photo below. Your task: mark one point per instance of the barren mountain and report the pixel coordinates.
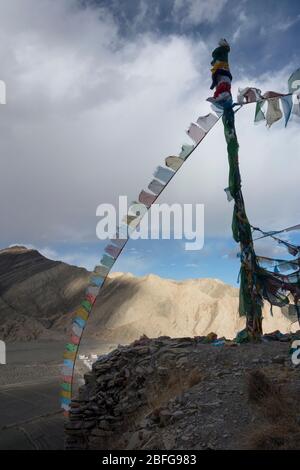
(38, 297)
(130, 306)
(35, 292)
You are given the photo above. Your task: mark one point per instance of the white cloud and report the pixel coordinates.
(244, 24)
(46, 251)
(195, 12)
(285, 25)
(87, 118)
(90, 116)
(74, 258)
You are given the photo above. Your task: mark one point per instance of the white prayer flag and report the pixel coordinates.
(274, 112)
(195, 133)
(207, 122)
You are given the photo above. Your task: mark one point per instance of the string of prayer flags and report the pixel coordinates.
(292, 249)
(113, 250)
(290, 102)
(278, 287)
(280, 264)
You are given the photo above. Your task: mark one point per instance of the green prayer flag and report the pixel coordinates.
(66, 387)
(71, 347)
(259, 115)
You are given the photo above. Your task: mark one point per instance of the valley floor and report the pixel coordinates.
(30, 417)
(30, 414)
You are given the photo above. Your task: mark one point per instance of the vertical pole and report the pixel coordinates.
(250, 300)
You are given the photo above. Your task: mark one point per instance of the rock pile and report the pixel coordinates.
(173, 394)
(117, 389)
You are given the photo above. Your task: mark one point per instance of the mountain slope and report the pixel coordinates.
(129, 306)
(35, 292)
(38, 297)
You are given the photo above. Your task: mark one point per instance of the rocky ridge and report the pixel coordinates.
(36, 294)
(178, 394)
(38, 297)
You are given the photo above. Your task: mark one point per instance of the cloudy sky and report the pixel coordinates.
(99, 92)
